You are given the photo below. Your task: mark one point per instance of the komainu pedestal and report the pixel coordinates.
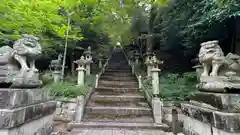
(25, 108)
(215, 109)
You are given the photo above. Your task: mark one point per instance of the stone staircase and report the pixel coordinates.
(117, 102)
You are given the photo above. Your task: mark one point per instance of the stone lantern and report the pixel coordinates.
(156, 102)
(136, 56)
(148, 62)
(88, 58)
(81, 63)
(100, 61)
(155, 76)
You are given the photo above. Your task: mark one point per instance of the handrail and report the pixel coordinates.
(103, 69)
(142, 87)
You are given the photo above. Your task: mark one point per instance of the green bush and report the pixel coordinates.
(69, 89)
(177, 86)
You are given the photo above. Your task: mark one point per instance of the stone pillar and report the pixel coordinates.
(79, 108)
(100, 63)
(155, 81)
(133, 68)
(56, 76)
(139, 81)
(96, 81)
(157, 110)
(80, 70)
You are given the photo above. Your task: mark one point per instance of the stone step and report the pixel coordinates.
(123, 118)
(118, 111)
(120, 125)
(118, 70)
(128, 82)
(123, 97)
(117, 90)
(114, 78)
(116, 93)
(118, 84)
(109, 103)
(118, 74)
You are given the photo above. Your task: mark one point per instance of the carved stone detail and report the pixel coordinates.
(220, 72)
(17, 64)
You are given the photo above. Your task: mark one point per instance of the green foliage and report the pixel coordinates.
(69, 89)
(184, 24)
(177, 86)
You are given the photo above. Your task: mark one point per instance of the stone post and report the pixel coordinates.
(81, 70)
(56, 76)
(155, 81)
(96, 82)
(79, 108)
(140, 81)
(157, 110)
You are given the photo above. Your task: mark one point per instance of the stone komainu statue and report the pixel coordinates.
(17, 64)
(217, 72)
(56, 64)
(215, 63)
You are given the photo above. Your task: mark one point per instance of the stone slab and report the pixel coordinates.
(119, 111)
(13, 98)
(41, 126)
(118, 125)
(229, 122)
(15, 117)
(195, 127)
(218, 101)
(114, 131)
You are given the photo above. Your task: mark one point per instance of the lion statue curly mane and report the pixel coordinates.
(19, 62)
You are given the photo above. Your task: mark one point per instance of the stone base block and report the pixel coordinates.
(41, 126)
(227, 122)
(196, 127)
(224, 102)
(13, 98)
(11, 118)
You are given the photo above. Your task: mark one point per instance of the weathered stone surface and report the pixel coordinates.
(229, 122)
(12, 98)
(200, 128)
(218, 101)
(14, 117)
(119, 110)
(41, 126)
(24, 53)
(118, 125)
(116, 89)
